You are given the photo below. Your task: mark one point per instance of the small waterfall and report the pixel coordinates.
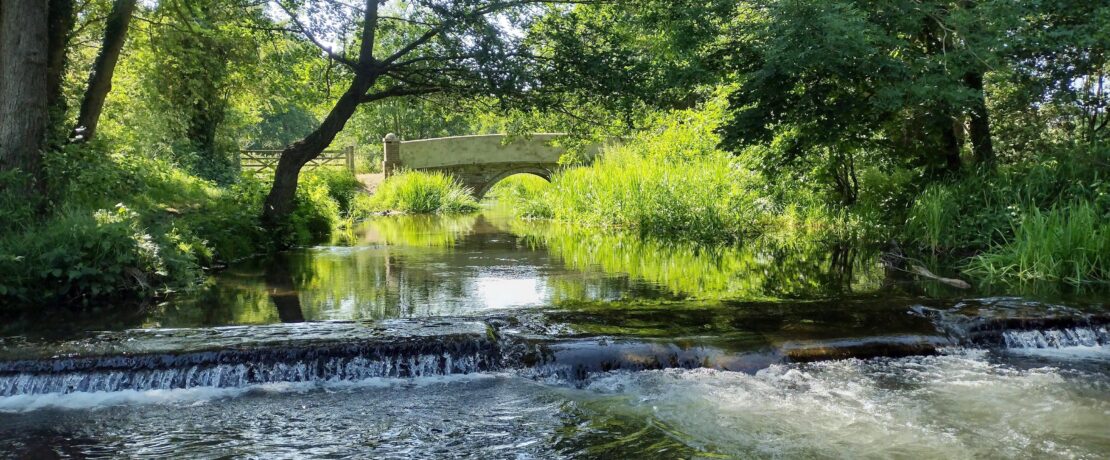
(239, 368)
(1056, 338)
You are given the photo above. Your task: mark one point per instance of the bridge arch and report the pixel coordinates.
(478, 162)
(542, 173)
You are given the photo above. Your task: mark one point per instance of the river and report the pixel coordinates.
(484, 336)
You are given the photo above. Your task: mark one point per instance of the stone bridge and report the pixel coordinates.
(478, 162)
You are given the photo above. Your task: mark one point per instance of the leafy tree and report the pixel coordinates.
(100, 79)
(460, 49)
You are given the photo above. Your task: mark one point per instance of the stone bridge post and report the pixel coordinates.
(391, 156)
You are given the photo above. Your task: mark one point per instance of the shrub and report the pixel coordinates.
(16, 210)
(316, 212)
(80, 256)
(984, 209)
(421, 193)
(125, 226)
(342, 186)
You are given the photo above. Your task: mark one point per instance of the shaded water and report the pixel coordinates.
(485, 337)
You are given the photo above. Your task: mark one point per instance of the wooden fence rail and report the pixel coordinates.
(265, 161)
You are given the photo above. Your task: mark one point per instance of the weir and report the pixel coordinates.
(235, 358)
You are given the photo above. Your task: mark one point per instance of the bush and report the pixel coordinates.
(316, 212)
(984, 209)
(80, 256)
(125, 226)
(342, 186)
(420, 193)
(16, 210)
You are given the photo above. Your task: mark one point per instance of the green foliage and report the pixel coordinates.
(420, 193)
(983, 209)
(1069, 243)
(17, 210)
(166, 225)
(518, 187)
(316, 212)
(80, 256)
(341, 184)
(670, 181)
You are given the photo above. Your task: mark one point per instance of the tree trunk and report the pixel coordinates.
(60, 27)
(950, 143)
(279, 203)
(23, 85)
(100, 81)
(981, 143)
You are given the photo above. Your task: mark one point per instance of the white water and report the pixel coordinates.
(956, 406)
(326, 369)
(202, 395)
(1057, 338)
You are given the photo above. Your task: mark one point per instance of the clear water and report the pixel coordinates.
(485, 337)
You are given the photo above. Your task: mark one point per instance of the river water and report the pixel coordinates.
(487, 337)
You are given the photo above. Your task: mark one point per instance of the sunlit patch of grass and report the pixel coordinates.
(419, 192)
(517, 188)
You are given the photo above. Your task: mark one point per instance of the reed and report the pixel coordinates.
(1068, 243)
(418, 192)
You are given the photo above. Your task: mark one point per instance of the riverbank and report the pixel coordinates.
(120, 227)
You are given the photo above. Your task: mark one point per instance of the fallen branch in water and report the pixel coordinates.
(922, 271)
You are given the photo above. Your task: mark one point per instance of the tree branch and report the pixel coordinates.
(398, 91)
(312, 38)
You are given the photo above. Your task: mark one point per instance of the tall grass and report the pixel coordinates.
(670, 181)
(1069, 243)
(419, 192)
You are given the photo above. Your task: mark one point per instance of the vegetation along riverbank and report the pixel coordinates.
(969, 135)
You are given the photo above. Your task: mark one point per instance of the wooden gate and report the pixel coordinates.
(265, 161)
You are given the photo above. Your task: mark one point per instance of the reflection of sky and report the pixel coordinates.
(509, 292)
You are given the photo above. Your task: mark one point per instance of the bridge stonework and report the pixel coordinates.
(478, 162)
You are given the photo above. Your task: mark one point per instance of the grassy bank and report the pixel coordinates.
(418, 192)
(123, 226)
(1045, 220)
(672, 182)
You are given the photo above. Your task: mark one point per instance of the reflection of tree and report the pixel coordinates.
(282, 291)
(799, 267)
(419, 230)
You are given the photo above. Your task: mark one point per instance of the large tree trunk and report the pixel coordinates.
(279, 203)
(950, 144)
(981, 143)
(60, 27)
(23, 84)
(100, 81)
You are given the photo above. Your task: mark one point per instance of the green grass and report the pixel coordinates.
(518, 187)
(670, 182)
(1069, 243)
(418, 192)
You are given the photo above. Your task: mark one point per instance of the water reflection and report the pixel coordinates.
(412, 266)
(283, 291)
(765, 269)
